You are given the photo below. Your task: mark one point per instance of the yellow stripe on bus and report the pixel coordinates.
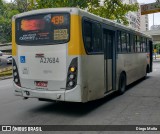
(76, 46)
(14, 46)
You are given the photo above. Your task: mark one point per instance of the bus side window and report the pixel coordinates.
(134, 44)
(128, 42)
(97, 37)
(92, 37)
(88, 36)
(144, 44)
(141, 44)
(119, 42)
(124, 42)
(138, 44)
(132, 41)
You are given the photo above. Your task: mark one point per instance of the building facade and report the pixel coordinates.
(144, 26)
(136, 20)
(133, 17)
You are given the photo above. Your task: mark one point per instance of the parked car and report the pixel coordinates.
(9, 59)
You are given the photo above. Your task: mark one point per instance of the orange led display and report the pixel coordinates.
(31, 25)
(57, 20)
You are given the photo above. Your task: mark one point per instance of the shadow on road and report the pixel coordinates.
(79, 109)
(130, 86)
(71, 108)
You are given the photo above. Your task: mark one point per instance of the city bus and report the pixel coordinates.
(67, 54)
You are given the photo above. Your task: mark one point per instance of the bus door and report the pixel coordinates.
(109, 59)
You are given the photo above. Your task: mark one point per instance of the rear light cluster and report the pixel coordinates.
(72, 74)
(16, 74)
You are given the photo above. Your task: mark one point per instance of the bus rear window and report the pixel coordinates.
(43, 29)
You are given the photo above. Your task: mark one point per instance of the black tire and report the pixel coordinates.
(122, 84)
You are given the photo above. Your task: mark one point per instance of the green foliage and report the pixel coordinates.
(63, 3)
(115, 10)
(7, 10)
(157, 46)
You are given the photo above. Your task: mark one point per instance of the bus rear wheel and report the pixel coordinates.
(122, 84)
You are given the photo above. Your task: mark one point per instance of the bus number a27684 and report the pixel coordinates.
(49, 60)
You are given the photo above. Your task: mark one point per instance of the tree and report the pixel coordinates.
(7, 10)
(157, 47)
(62, 3)
(21, 5)
(115, 10)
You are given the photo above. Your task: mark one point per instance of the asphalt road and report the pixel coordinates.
(140, 105)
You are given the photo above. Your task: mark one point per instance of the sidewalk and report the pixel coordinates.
(156, 60)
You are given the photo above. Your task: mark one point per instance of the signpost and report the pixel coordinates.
(150, 8)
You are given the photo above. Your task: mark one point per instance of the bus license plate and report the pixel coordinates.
(41, 83)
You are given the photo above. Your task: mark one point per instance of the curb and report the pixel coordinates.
(6, 69)
(158, 60)
(7, 77)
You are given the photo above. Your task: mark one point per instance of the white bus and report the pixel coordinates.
(67, 54)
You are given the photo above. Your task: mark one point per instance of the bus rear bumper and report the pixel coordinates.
(17, 90)
(73, 95)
